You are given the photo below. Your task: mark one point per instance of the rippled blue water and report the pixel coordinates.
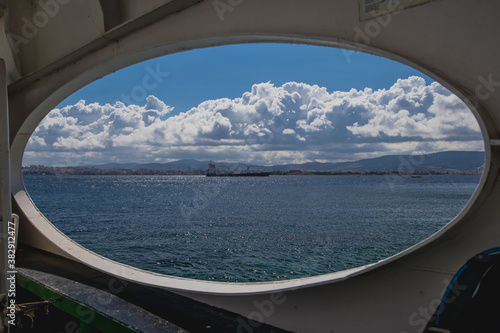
(249, 229)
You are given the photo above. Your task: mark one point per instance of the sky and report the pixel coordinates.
(256, 103)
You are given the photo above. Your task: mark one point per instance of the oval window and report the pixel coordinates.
(255, 162)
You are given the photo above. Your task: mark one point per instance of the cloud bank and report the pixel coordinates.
(295, 122)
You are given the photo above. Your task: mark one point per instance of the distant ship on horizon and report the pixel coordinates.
(213, 172)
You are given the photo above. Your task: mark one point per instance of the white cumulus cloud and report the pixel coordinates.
(268, 124)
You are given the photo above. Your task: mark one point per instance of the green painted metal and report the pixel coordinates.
(88, 317)
(84, 328)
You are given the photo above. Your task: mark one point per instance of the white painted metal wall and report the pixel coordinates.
(455, 42)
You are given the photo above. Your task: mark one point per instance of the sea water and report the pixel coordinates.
(249, 229)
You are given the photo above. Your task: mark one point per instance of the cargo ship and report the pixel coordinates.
(213, 172)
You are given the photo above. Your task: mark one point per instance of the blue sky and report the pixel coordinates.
(228, 71)
(256, 103)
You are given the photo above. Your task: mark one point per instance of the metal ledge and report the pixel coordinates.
(91, 306)
(124, 306)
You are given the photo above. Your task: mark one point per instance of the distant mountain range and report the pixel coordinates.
(449, 161)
